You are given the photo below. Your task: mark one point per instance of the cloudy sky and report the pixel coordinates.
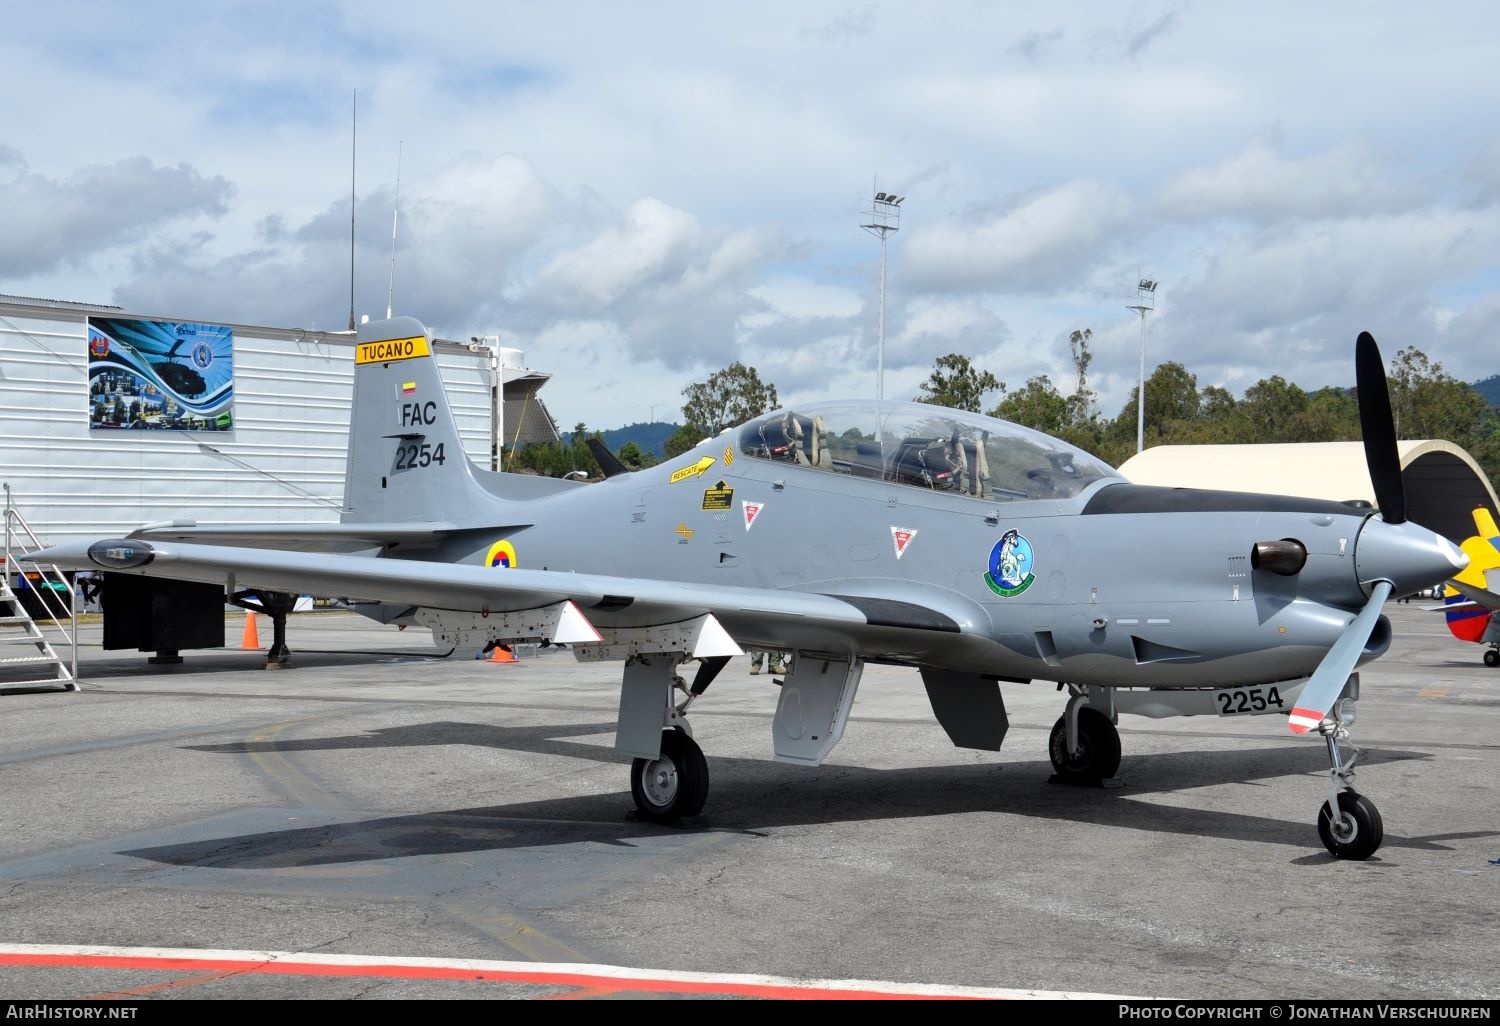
(638, 194)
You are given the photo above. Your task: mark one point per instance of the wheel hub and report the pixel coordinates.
(659, 781)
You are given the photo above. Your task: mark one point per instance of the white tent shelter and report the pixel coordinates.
(1443, 482)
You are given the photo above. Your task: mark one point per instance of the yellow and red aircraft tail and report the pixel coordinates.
(1483, 549)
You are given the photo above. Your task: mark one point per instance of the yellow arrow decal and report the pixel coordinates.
(696, 470)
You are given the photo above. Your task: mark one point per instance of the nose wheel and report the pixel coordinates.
(1357, 831)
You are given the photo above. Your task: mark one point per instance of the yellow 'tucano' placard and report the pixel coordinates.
(391, 350)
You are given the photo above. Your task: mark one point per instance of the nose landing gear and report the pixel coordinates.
(1348, 823)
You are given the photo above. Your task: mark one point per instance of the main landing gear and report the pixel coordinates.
(1492, 657)
(672, 785)
(1084, 746)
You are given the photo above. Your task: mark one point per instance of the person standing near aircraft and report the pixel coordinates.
(758, 659)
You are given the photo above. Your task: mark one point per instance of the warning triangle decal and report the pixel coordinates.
(901, 537)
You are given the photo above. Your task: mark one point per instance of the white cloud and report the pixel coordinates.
(1042, 242)
(96, 208)
(655, 241)
(1259, 184)
(655, 197)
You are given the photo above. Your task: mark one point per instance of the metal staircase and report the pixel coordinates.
(28, 661)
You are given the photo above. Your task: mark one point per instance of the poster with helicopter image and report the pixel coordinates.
(162, 375)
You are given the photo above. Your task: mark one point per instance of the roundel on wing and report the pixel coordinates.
(502, 554)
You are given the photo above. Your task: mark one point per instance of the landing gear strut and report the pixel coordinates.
(673, 783)
(1355, 830)
(276, 604)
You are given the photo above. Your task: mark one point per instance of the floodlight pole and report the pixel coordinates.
(884, 218)
(1145, 302)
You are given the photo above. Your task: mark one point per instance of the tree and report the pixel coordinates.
(1427, 403)
(729, 397)
(681, 440)
(1081, 408)
(1270, 408)
(1172, 410)
(1036, 405)
(957, 383)
(630, 454)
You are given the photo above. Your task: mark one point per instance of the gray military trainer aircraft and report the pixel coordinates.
(977, 551)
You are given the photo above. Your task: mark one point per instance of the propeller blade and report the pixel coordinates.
(1323, 687)
(1378, 428)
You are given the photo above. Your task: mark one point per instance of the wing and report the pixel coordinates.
(1477, 597)
(871, 625)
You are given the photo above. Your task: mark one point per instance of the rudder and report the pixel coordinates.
(1483, 550)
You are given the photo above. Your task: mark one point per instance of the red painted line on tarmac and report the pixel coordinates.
(644, 983)
(578, 980)
(153, 988)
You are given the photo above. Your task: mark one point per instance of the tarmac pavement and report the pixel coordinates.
(174, 831)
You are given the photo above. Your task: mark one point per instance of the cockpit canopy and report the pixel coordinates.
(924, 446)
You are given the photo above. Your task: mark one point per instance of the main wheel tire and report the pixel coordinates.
(674, 784)
(1099, 749)
(1492, 657)
(1360, 832)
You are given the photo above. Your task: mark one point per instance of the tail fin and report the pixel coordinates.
(406, 459)
(1483, 549)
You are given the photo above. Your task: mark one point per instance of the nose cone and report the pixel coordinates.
(1408, 555)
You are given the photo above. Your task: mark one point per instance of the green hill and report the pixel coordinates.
(1489, 388)
(650, 437)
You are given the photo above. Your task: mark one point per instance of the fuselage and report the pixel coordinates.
(1058, 571)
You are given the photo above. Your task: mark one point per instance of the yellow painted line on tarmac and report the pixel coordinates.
(298, 785)
(520, 937)
(1433, 693)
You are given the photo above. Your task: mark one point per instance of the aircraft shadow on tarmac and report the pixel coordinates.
(752, 795)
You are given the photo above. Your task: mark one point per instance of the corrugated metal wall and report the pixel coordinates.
(283, 462)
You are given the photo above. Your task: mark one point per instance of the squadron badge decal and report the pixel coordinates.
(1010, 565)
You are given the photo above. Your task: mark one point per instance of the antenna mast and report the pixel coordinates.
(353, 146)
(391, 296)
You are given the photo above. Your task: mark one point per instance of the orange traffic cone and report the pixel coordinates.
(251, 638)
(501, 654)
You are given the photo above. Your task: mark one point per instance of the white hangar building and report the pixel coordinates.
(1443, 483)
(111, 419)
